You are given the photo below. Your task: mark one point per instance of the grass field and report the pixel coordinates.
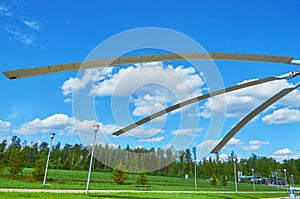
(76, 180)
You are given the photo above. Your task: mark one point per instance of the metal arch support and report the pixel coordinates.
(251, 115)
(43, 70)
(199, 98)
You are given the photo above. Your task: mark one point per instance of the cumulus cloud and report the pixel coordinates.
(282, 154)
(56, 122)
(73, 85)
(285, 151)
(4, 125)
(282, 116)
(241, 102)
(180, 80)
(151, 86)
(64, 125)
(255, 144)
(155, 139)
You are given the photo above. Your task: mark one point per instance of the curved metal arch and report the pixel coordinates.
(251, 115)
(43, 70)
(201, 97)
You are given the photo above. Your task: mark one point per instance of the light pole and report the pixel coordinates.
(277, 180)
(286, 182)
(46, 170)
(96, 127)
(234, 168)
(292, 180)
(195, 173)
(253, 179)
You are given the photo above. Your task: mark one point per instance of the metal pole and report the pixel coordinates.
(46, 170)
(195, 174)
(286, 182)
(277, 180)
(96, 127)
(235, 180)
(253, 179)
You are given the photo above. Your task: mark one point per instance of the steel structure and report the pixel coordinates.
(43, 70)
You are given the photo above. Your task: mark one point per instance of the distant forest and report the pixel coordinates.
(16, 155)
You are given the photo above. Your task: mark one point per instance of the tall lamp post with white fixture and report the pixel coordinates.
(46, 169)
(253, 179)
(96, 127)
(286, 182)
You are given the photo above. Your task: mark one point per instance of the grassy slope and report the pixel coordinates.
(66, 179)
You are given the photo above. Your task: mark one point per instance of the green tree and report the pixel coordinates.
(142, 179)
(214, 180)
(39, 170)
(118, 175)
(16, 162)
(224, 181)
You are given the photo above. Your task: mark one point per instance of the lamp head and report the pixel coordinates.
(52, 135)
(96, 127)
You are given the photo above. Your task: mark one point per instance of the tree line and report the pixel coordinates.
(16, 155)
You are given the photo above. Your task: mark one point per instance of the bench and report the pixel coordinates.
(137, 187)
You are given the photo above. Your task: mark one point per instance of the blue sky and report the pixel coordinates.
(37, 33)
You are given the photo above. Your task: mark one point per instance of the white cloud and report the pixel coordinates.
(210, 144)
(156, 139)
(282, 116)
(151, 86)
(255, 145)
(19, 35)
(285, 151)
(180, 80)
(282, 154)
(36, 25)
(4, 125)
(241, 102)
(234, 141)
(4, 11)
(73, 85)
(186, 131)
(68, 100)
(64, 125)
(57, 123)
(223, 157)
(140, 132)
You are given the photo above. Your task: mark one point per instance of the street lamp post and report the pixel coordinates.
(234, 168)
(253, 179)
(96, 127)
(286, 182)
(292, 180)
(277, 180)
(46, 169)
(195, 173)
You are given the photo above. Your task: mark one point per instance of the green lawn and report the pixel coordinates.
(144, 195)
(67, 179)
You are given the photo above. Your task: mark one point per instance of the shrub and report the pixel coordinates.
(118, 175)
(39, 170)
(224, 181)
(214, 180)
(142, 179)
